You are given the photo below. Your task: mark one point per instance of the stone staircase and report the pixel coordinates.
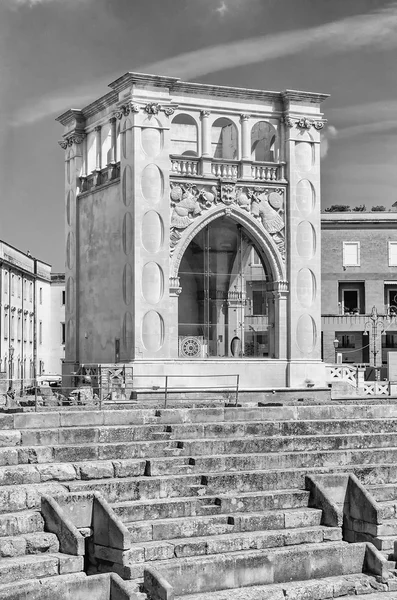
(212, 489)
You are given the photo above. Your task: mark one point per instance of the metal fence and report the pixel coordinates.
(98, 386)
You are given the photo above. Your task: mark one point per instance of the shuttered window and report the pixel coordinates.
(392, 254)
(351, 254)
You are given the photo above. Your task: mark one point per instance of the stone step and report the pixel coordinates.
(357, 585)
(257, 567)
(92, 418)
(385, 543)
(198, 526)
(191, 506)
(33, 589)
(192, 447)
(230, 542)
(30, 543)
(241, 429)
(267, 461)
(150, 488)
(22, 497)
(384, 492)
(21, 523)
(37, 566)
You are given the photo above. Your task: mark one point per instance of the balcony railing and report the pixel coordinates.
(226, 169)
(99, 177)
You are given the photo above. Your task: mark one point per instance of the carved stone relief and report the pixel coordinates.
(189, 200)
(303, 122)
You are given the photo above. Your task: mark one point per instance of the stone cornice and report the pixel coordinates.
(300, 96)
(72, 115)
(175, 86)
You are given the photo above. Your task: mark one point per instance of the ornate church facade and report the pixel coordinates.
(193, 232)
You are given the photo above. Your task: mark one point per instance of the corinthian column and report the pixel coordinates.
(245, 137)
(205, 133)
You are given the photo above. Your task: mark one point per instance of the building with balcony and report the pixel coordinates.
(192, 231)
(359, 271)
(27, 331)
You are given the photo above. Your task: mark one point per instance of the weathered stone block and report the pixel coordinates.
(96, 470)
(70, 564)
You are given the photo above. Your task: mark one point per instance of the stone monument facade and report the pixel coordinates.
(193, 232)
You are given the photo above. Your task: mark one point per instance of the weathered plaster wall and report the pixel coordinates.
(100, 273)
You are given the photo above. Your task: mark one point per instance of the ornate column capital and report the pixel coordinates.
(205, 113)
(76, 137)
(244, 117)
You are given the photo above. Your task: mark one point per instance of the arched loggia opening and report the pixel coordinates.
(225, 308)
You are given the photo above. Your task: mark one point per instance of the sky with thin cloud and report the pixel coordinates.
(58, 54)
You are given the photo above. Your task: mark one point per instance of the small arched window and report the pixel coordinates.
(263, 138)
(224, 139)
(184, 140)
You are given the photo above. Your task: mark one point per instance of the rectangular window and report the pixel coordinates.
(258, 303)
(19, 327)
(347, 341)
(31, 330)
(5, 282)
(12, 332)
(351, 254)
(351, 303)
(25, 284)
(389, 340)
(25, 329)
(41, 295)
(63, 333)
(12, 284)
(6, 325)
(63, 297)
(392, 254)
(31, 291)
(40, 332)
(19, 286)
(255, 260)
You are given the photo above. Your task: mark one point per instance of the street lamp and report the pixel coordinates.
(336, 344)
(374, 325)
(10, 366)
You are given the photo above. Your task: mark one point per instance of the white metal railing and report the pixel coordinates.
(264, 172)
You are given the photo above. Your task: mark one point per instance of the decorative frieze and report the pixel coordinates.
(188, 201)
(73, 138)
(302, 122)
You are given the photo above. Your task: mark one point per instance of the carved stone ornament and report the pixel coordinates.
(318, 125)
(189, 200)
(74, 138)
(205, 113)
(244, 117)
(288, 121)
(134, 107)
(304, 123)
(169, 110)
(152, 108)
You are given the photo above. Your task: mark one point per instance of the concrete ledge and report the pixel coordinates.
(70, 539)
(108, 529)
(320, 498)
(156, 586)
(376, 563)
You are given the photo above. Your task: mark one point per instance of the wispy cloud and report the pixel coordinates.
(369, 128)
(328, 134)
(33, 3)
(375, 30)
(382, 110)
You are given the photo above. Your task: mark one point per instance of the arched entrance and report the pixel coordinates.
(226, 306)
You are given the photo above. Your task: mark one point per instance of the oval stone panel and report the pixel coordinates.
(126, 186)
(70, 250)
(152, 231)
(126, 142)
(69, 206)
(306, 334)
(151, 139)
(127, 284)
(127, 233)
(152, 183)
(152, 331)
(305, 197)
(305, 240)
(68, 168)
(304, 155)
(128, 332)
(70, 294)
(306, 287)
(152, 282)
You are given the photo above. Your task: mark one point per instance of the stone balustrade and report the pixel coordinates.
(226, 169)
(185, 167)
(264, 172)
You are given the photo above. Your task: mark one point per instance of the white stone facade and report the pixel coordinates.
(25, 308)
(170, 189)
